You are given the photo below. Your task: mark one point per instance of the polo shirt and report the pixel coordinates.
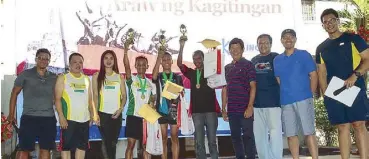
(38, 92)
(238, 76)
(293, 72)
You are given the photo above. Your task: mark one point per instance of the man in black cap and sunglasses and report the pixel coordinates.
(38, 116)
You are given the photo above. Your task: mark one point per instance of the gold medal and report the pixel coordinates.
(197, 86)
(142, 96)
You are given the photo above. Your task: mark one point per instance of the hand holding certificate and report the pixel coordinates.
(171, 90)
(148, 113)
(338, 91)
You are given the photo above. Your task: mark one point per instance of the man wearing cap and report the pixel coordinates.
(295, 71)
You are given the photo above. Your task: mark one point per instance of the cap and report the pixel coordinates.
(290, 31)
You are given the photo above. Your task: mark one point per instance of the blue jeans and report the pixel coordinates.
(210, 121)
(268, 120)
(240, 125)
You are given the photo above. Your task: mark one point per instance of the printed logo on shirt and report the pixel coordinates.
(80, 88)
(263, 67)
(137, 85)
(111, 83)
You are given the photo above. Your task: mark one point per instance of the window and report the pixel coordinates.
(308, 11)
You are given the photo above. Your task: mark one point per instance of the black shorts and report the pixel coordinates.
(42, 129)
(166, 119)
(75, 136)
(134, 127)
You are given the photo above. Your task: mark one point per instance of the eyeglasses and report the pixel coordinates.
(41, 58)
(330, 21)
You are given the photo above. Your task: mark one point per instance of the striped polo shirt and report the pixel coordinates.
(238, 76)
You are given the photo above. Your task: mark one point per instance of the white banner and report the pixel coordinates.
(92, 26)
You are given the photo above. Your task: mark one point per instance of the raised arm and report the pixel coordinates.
(127, 66)
(180, 55)
(155, 72)
(59, 88)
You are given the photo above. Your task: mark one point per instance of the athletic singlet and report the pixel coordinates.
(110, 95)
(75, 98)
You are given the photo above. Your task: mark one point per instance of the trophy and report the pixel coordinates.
(183, 30)
(130, 35)
(162, 41)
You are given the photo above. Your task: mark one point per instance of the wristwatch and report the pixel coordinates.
(357, 74)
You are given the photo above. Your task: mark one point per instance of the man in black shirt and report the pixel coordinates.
(203, 105)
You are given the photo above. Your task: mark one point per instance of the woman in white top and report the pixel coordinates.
(109, 98)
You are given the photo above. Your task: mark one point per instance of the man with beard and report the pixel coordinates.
(295, 71)
(38, 116)
(345, 56)
(167, 108)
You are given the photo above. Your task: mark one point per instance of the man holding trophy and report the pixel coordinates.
(141, 91)
(168, 109)
(203, 104)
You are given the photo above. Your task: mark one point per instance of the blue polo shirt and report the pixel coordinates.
(293, 72)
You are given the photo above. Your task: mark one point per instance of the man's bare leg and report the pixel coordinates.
(146, 155)
(80, 154)
(313, 146)
(344, 140)
(65, 155)
(164, 132)
(22, 155)
(293, 144)
(44, 154)
(130, 147)
(361, 137)
(175, 141)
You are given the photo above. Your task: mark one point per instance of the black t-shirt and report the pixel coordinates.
(202, 99)
(177, 79)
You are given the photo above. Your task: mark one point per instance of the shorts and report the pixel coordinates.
(167, 119)
(42, 129)
(134, 127)
(75, 136)
(298, 115)
(339, 113)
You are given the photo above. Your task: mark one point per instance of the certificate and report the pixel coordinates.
(338, 91)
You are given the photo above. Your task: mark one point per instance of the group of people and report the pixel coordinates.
(270, 93)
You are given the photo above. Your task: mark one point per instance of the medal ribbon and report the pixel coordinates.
(142, 86)
(198, 74)
(166, 77)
